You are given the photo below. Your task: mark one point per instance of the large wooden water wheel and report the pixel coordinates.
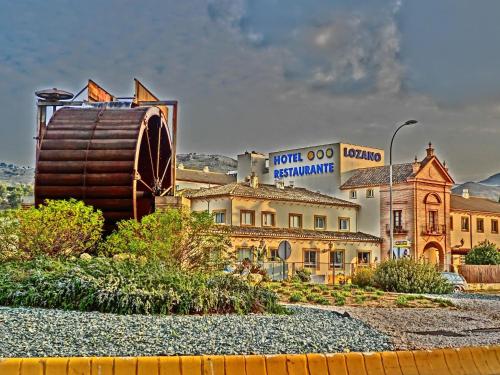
(116, 160)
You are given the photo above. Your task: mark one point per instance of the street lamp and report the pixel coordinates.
(391, 214)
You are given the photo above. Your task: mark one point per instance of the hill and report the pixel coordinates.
(216, 163)
(488, 188)
(492, 180)
(13, 174)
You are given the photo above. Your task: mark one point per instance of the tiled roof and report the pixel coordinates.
(264, 191)
(297, 233)
(376, 176)
(214, 178)
(475, 204)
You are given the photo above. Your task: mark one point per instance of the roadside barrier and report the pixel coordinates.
(473, 361)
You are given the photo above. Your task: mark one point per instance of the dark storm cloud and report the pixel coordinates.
(269, 74)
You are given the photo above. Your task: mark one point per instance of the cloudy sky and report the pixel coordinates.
(271, 74)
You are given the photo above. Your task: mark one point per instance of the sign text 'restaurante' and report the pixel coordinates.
(297, 171)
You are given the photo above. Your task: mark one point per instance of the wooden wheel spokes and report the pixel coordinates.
(158, 141)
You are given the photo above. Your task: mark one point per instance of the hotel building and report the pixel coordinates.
(332, 203)
(322, 230)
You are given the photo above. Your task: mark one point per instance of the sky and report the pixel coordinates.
(267, 75)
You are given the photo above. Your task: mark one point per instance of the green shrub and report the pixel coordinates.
(363, 277)
(303, 274)
(322, 301)
(311, 297)
(484, 253)
(379, 292)
(443, 302)
(128, 287)
(58, 229)
(339, 299)
(359, 299)
(402, 301)
(177, 237)
(297, 297)
(409, 276)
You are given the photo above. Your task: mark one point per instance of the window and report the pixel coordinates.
(273, 254)
(337, 259)
(494, 226)
(465, 223)
(353, 194)
(370, 193)
(319, 222)
(364, 257)
(311, 258)
(480, 225)
(247, 218)
(268, 219)
(344, 223)
(220, 217)
(244, 253)
(451, 222)
(295, 221)
(432, 220)
(398, 219)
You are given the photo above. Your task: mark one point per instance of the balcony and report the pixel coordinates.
(398, 229)
(433, 230)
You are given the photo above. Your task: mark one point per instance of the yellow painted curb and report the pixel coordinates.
(483, 360)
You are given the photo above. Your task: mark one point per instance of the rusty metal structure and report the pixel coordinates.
(115, 155)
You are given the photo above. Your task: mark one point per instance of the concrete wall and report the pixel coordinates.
(369, 212)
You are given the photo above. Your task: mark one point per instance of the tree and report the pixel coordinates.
(483, 254)
(176, 237)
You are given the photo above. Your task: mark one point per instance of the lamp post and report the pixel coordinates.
(391, 214)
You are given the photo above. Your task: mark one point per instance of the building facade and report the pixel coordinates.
(322, 230)
(472, 221)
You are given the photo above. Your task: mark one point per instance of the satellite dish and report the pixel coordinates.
(54, 95)
(284, 250)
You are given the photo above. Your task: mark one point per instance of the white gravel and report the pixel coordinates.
(44, 332)
(474, 321)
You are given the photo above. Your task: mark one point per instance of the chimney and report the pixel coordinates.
(465, 193)
(430, 150)
(415, 165)
(206, 169)
(254, 181)
(445, 166)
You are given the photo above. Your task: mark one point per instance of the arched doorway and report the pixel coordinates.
(434, 254)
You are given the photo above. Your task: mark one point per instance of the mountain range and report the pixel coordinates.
(488, 188)
(13, 174)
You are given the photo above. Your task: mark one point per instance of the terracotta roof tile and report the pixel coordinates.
(376, 176)
(265, 191)
(475, 204)
(297, 233)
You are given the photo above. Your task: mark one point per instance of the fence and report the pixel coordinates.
(476, 360)
(323, 273)
(480, 274)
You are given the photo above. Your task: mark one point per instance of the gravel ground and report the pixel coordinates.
(474, 321)
(43, 332)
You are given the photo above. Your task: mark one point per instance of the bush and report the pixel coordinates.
(339, 299)
(402, 301)
(408, 276)
(483, 254)
(128, 287)
(59, 229)
(177, 237)
(297, 297)
(303, 274)
(363, 277)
